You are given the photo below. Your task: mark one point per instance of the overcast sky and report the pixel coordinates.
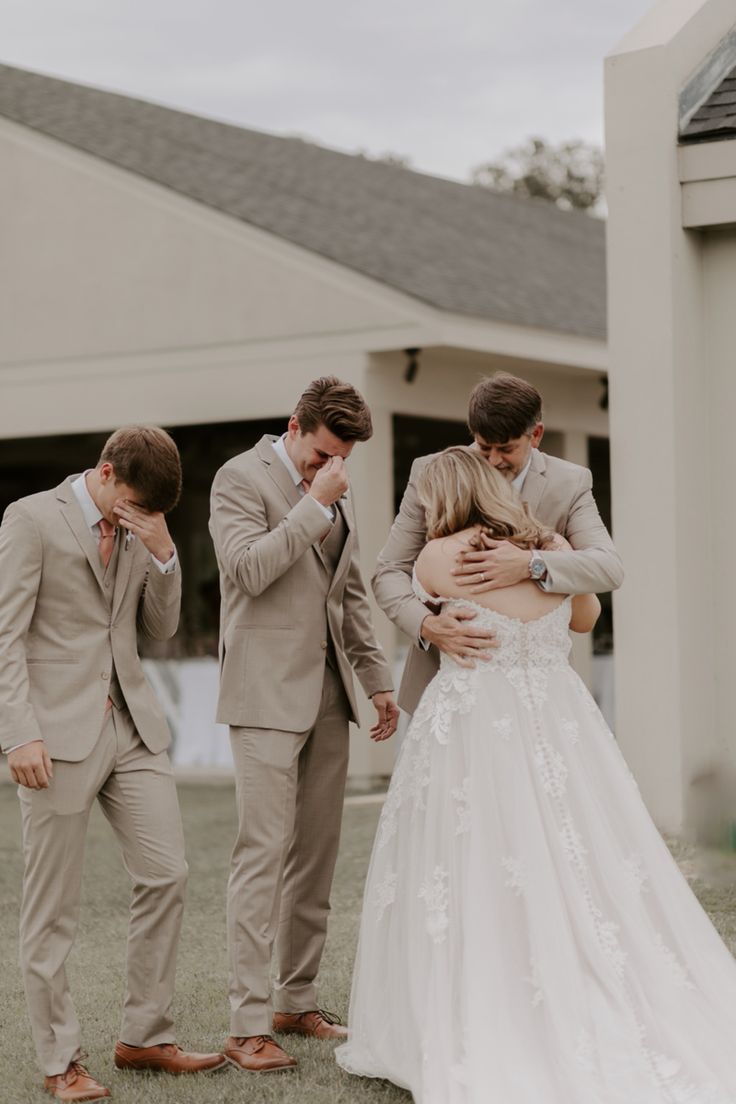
(448, 85)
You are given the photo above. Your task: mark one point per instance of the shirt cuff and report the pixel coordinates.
(326, 510)
(23, 744)
(169, 566)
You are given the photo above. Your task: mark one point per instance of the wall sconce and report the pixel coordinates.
(412, 364)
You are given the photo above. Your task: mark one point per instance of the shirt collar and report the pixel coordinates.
(90, 510)
(279, 448)
(518, 481)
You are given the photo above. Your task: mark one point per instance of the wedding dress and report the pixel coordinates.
(526, 937)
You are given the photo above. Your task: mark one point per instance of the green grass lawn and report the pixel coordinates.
(96, 966)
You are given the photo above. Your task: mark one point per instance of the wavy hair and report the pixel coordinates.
(459, 488)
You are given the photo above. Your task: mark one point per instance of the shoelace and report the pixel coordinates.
(259, 1041)
(329, 1017)
(74, 1070)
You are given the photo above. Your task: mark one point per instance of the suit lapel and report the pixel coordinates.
(535, 483)
(126, 555)
(277, 471)
(73, 516)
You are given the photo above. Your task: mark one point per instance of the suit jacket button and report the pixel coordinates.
(105, 675)
(323, 643)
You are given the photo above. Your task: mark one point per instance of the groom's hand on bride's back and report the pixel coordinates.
(453, 635)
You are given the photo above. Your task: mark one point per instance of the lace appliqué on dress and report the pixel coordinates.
(451, 691)
(503, 727)
(516, 874)
(462, 799)
(435, 893)
(385, 894)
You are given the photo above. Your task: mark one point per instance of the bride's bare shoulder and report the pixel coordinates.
(436, 560)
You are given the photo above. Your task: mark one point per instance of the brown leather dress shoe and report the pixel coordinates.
(166, 1058)
(257, 1054)
(75, 1084)
(317, 1023)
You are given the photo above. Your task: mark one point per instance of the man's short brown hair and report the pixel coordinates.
(147, 460)
(337, 406)
(502, 408)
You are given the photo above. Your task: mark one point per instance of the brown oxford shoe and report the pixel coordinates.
(318, 1024)
(166, 1058)
(257, 1054)
(75, 1084)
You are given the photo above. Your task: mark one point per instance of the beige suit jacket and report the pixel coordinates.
(281, 602)
(558, 493)
(63, 625)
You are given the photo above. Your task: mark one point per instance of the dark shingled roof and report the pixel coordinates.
(716, 117)
(459, 247)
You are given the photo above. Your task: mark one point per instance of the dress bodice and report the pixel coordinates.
(543, 642)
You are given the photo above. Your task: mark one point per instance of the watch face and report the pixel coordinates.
(538, 569)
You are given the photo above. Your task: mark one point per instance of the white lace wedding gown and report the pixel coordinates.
(526, 937)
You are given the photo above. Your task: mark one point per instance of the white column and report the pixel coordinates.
(371, 479)
(661, 464)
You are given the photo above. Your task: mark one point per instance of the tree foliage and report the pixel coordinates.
(569, 174)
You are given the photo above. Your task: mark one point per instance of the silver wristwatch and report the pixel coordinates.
(537, 567)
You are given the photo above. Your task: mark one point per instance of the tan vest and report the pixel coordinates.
(329, 551)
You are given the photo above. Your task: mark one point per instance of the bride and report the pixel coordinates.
(526, 937)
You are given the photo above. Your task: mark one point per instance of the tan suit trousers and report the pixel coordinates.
(290, 788)
(137, 794)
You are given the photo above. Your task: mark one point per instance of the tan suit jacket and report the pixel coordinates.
(64, 624)
(558, 493)
(281, 604)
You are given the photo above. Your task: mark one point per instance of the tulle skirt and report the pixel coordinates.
(526, 937)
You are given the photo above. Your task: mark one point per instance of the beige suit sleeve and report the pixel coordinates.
(594, 566)
(391, 581)
(160, 603)
(21, 561)
(361, 647)
(252, 555)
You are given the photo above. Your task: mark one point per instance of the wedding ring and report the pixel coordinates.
(482, 576)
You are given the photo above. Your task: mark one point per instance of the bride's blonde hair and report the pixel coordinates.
(459, 488)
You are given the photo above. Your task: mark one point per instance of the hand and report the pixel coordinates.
(500, 564)
(151, 529)
(330, 482)
(30, 765)
(388, 715)
(464, 643)
(558, 544)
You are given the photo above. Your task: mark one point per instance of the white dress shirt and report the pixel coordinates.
(518, 481)
(279, 447)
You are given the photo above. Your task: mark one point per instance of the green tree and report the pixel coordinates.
(569, 174)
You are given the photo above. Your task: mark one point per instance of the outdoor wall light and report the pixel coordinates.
(412, 364)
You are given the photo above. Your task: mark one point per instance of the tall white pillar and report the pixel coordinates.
(371, 479)
(660, 417)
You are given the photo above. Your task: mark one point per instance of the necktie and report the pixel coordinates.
(106, 539)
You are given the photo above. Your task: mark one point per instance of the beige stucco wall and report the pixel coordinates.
(669, 467)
